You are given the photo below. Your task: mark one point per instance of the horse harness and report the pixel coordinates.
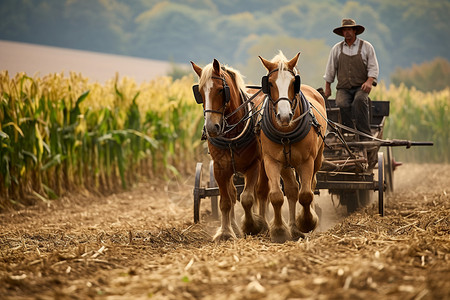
(243, 139)
(305, 120)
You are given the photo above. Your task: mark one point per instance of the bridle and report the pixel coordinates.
(226, 91)
(266, 89)
(246, 105)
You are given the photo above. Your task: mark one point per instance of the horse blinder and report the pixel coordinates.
(197, 95)
(265, 85)
(297, 84)
(227, 93)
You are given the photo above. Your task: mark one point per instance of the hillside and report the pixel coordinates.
(36, 59)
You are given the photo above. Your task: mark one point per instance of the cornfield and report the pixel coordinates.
(417, 116)
(60, 134)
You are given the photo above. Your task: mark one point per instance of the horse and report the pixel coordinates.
(232, 143)
(293, 126)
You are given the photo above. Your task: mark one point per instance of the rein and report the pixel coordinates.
(246, 136)
(248, 114)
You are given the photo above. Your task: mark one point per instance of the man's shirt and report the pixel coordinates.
(367, 53)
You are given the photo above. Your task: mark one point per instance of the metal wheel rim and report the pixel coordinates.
(381, 183)
(197, 183)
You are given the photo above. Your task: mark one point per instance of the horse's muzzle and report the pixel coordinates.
(213, 129)
(284, 119)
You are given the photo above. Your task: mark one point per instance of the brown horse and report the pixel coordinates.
(232, 144)
(293, 125)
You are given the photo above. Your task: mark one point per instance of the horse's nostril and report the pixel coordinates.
(217, 127)
(290, 116)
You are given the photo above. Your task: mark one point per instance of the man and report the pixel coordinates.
(355, 64)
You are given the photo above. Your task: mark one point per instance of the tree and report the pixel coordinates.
(428, 76)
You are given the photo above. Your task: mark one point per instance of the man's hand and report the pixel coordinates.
(367, 86)
(327, 89)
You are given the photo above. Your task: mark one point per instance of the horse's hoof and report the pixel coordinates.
(307, 223)
(280, 234)
(224, 236)
(254, 226)
(296, 233)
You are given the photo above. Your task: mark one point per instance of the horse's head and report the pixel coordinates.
(282, 84)
(215, 91)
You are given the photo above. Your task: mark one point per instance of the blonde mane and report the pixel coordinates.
(234, 74)
(282, 62)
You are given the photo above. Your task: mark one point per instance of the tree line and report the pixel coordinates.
(235, 32)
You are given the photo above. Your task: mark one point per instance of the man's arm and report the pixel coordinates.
(367, 86)
(330, 70)
(372, 68)
(327, 92)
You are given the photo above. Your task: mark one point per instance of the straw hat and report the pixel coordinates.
(349, 23)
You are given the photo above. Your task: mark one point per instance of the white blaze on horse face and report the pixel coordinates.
(283, 82)
(212, 120)
(207, 89)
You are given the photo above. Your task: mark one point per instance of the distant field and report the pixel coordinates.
(42, 60)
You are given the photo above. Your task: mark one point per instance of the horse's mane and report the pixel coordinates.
(282, 61)
(234, 74)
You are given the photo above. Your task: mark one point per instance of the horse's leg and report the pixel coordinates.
(307, 219)
(279, 232)
(317, 166)
(291, 192)
(262, 193)
(251, 223)
(233, 193)
(226, 203)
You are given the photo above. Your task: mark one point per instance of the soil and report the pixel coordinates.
(143, 244)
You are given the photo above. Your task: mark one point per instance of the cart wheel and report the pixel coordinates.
(389, 170)
(381, 183)
(198, 181)
(212, 184)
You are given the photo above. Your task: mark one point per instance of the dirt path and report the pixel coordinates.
(142, 244)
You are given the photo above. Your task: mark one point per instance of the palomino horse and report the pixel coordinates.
(232, 144)
(291, 138)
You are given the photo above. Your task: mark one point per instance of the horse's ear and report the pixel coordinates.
(293, 62)
(216, 66)
(197, 69)
(267, 64)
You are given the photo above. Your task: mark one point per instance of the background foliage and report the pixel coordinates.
(59, 134)
(235, 32)
(429, 76)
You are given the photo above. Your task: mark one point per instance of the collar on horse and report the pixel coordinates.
(306, 120)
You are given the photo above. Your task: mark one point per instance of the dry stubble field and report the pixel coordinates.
(142, 244)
